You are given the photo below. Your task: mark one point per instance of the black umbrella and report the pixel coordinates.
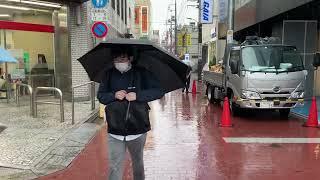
(170, 71)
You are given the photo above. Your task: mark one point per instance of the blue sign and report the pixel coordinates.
(206, 11)
(99, 3)
(99, 29)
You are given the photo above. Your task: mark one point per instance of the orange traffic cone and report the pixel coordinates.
(194, 87)
(226, 118)
(313, 115)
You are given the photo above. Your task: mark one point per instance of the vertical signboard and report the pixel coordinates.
(144, 16)
(180, 39)
(188, 40)
(137, 15)
(223, 10)
(99, 12)
(206, 11)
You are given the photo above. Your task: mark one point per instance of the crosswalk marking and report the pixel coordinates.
(271, 140)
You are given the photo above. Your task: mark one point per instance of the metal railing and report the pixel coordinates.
(93, 90)
(18, 85)
(47, 102)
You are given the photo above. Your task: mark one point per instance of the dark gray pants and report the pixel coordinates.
(117, 152)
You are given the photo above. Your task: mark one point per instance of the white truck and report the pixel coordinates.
(259, 75)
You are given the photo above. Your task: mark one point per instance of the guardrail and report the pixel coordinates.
(47, 102)
(18, 85)
(93, 105)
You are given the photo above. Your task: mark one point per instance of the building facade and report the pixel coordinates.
(188, 43)
(48, 39)
(142, 19)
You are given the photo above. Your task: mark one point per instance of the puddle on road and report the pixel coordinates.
(275, 145)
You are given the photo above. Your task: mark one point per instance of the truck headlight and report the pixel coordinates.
(250, 95)
(297, 95)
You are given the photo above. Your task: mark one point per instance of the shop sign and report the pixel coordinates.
(188, 40)
(144, 19)
(180, 39)
(99, 29)
(230, 36)
(214, 32)
(206, 11)
(186, 57)
(99, 3)
(18, 74)
(99, 14)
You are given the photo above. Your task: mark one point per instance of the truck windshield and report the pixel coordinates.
(271, 59)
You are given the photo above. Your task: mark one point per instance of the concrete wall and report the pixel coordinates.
(81, 42)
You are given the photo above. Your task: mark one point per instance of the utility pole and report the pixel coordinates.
(175, 27)
(171, 39)
(199, 41)
(230, 21)
(6, 67)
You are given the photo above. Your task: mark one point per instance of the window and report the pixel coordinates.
(113, 4)
(234, 56)
(118, 7)
(122, 9)
(125, 12)
(271, 59)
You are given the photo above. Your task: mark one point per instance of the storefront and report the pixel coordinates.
(37, 35)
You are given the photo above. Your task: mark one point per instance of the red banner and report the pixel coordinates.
(137, 15)
(144, 26)
(26, 27)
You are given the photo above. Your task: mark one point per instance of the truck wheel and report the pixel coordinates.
(217, 101)
(284, 113)
(210, 94)
(234, 109)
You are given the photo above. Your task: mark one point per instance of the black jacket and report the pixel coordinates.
(147, 88)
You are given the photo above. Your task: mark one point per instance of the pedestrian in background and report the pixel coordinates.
(187, 85)
(126, 82)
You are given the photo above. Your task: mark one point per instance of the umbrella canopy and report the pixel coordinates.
(5, 56)
(170, 71)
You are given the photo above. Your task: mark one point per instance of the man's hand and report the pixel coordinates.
(131, 96)
(120, 95)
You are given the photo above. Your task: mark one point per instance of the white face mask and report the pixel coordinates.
(122, 67)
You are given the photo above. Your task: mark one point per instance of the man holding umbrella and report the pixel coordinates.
(131, 73)
(126, 82)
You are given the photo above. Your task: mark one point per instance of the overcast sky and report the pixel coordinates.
(160, 13)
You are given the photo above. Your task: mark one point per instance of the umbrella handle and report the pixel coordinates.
(127, 113)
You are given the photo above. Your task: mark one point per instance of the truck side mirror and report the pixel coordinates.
(316, 60)
(234, 67)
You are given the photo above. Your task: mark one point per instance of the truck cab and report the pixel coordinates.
(266, 76)
(259, 75)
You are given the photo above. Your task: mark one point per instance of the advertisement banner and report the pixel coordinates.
(188, 40)
(180, 39)
(144, 24)
(137, 15)
(206, 11)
